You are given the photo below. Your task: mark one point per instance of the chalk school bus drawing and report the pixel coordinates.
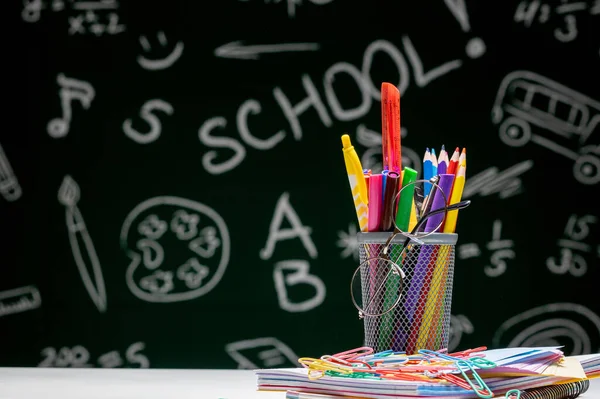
(529, 106)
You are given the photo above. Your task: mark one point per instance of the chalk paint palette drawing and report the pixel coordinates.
(533, 108)
(572, 325)
(179, 249)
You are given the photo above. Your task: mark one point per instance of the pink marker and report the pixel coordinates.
(375, 202)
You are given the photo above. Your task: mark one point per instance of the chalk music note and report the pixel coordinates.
(81, 244)
(70, 89)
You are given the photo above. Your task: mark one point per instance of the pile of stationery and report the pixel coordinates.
(474, 373)
(379, 207)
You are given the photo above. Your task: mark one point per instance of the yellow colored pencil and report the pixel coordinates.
(457, 190)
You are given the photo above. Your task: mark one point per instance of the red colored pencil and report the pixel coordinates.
(453, 166)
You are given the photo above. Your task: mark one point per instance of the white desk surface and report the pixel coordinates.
(55, 383)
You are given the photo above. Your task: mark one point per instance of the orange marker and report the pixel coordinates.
(391, 150)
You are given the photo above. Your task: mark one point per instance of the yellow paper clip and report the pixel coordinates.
(318, 367)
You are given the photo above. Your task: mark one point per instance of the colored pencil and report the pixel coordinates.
(463, 157)
(442, 162)
(427, 170)
(434, 163)
(453, 165)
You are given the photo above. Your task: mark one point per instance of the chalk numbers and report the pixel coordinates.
(79, 357)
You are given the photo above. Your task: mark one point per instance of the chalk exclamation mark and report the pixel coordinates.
(475, 46)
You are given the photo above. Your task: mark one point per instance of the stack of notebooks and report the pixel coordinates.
(535, 372)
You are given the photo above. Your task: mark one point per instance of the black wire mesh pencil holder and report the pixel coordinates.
(406, 295)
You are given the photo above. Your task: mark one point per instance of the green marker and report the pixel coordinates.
(406, 199)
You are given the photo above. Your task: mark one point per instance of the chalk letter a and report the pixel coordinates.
(276, 233)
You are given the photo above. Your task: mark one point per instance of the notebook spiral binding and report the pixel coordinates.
(562, 391)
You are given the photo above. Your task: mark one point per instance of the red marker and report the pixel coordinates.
(390, 128)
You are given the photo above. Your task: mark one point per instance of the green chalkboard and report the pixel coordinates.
(174, 191)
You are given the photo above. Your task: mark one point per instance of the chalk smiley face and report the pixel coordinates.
(179, 249)
(156, 64)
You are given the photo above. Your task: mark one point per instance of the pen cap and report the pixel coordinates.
(391, 189)
(375, 202)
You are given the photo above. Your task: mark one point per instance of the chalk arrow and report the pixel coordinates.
(252, 52)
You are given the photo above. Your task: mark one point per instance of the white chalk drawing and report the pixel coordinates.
(32, 9)
(267, 352)
(196, 239)
(9, 185)
(529, 12)
(79, 357)
(490, 181)
(475, 47)
(156, 64)
(573, 247)
(82, 246)
(371, 158)
(146, 113)
(569, 324)
(292, 4)
(289, 273)
(70, 89)
(85, 16)
(19, 300)
(348, 242)
(226, 146)
(499, 249)
(240, 51)
(459, 325)
(297, 229)
(526, 100)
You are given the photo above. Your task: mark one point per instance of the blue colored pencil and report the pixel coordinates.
(427, 170)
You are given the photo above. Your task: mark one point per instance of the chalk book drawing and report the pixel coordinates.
(179, 249)
(267, 352)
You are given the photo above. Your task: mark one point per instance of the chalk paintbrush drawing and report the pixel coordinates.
(70, 90)
(82, 245)
(179, 249)
(533, 108)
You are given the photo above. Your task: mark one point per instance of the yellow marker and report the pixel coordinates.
(412, 221)
(457, 190)
(358, 185)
